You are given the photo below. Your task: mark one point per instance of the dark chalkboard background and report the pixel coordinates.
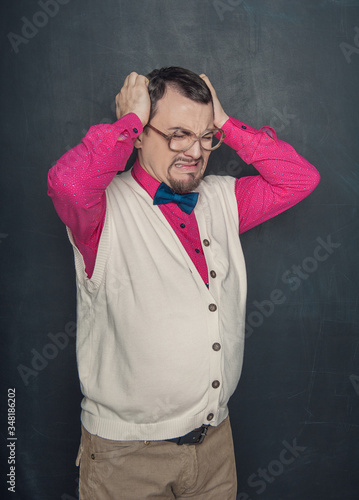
(286, 63)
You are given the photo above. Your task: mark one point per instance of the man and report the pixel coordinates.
(162, 284)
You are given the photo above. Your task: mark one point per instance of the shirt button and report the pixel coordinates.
(212, 307)
(135, 130)
(213, 274)
(206, 243)
(215, 384)
(146, 443)
(92, 456)
(182, 225)
(216, 346)
(210, 416)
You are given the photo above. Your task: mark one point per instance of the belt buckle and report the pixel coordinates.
(203, 434)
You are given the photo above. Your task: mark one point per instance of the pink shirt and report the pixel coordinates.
(78, 181)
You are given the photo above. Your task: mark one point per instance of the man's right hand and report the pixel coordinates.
(134, 98)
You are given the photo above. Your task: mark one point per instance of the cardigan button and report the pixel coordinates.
(216, 346)
(182, 225)
(213, 274)
(215, 384)
(135, 130)
(206, 243)
(243, 126)
(210, 416)
(212, 307)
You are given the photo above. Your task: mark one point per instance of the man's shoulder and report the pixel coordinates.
(120, 179)
(217, 193)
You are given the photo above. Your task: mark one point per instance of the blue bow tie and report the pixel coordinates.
(186, 202)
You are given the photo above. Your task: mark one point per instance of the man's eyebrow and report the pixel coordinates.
(188, 130)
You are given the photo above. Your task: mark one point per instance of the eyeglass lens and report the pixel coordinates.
(183, 139)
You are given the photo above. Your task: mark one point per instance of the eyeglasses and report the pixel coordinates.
(182, 140)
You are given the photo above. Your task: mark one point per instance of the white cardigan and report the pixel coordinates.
(151, 337)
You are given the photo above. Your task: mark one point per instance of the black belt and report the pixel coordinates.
(194, 437)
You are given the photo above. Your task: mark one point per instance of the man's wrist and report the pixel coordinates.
(129, 126)
(223, 121)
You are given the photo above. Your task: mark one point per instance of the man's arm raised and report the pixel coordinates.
(77, 182)
(285, 177)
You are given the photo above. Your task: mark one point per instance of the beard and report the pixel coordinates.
(185, 186)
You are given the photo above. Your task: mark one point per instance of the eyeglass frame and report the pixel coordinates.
(169, 137)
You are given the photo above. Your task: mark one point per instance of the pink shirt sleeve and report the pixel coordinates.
(77, 182)
(285, 176)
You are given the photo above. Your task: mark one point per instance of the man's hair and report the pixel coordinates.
(182, 80)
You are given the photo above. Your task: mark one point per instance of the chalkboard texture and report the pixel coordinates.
(293, 65)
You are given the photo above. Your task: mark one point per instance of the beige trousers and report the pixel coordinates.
(158, 470)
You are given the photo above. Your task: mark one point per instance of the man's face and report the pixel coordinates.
(181, 171)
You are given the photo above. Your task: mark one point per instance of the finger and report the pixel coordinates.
(209, 85)
(208, 82)
(132, 78)
(125, 83)
(204, 77)
(142, 79)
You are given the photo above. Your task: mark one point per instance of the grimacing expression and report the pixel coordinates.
(181, 171)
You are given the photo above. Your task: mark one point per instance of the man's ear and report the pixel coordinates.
(138, 141)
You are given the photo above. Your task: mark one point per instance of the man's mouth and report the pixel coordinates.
(187, 167)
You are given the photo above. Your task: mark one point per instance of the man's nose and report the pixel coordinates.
(195, 151)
